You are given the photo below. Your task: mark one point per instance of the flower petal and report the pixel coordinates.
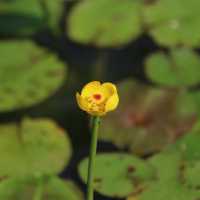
(90, 88)
(110, 87)
(112, 103)
(82, 103)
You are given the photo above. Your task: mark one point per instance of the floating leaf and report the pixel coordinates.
(148, 118)
(27, 17)
(33, 147)
(189, 146)
(167, 166)
(117, 174)
(119, 24)
(20, 17)
(30, 76)
(192, 175)
(53, 189)
(179, 68)
(168, 190)
(174, 22)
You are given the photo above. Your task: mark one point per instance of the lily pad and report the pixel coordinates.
(189, 146)
(33, 147)
(53, 188)
(168, 190)
(179, 68)
(174, 22)
(117, 174)
(167, 166)
(28, 74)
(148, 118)
(119, 24)
(27, 17)
(192, 175)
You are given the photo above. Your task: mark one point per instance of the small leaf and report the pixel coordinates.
(31, 76)
(119, 24)
(33, 147)
(179, 68)
(117, 174)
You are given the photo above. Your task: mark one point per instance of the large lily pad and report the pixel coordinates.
(28, 74)
(179, 68)
(105, 22)
(174, 22)
(52, 189)
(118, 174)
(22, 17)
(148, 118)
(33, 147)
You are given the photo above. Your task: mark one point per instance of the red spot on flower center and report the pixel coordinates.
(97, 96)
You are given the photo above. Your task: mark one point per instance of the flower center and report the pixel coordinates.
(97, 96)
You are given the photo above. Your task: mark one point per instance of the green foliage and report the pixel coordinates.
(148, 118)
(105, 23)
(168, 190)
(179, 68)
(118, 174)
(53, 188)
(174, 22)
(22, 17)
(189, 146)
(33, 147)
(29, 76)
(192, 174)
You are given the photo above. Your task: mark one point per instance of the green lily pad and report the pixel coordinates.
(33, 147)
(117, 174)
(53, 188)
(27, 17)
(189, 146)
(20, 17)
(192, 175)
(28, 74)
(167, 166)
(168, 190)
(148, 118)
(169, 183)
(179, 68)
(119, 24)
(174, 22)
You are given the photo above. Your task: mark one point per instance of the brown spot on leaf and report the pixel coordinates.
(131, 169)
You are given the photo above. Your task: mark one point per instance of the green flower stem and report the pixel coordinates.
(93, 149)
(39, 190)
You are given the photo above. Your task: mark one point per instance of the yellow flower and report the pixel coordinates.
(97, 99)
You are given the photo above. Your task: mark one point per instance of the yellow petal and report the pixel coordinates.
(112, 103)
(81, 102)
(110, 87)
(90, 88)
